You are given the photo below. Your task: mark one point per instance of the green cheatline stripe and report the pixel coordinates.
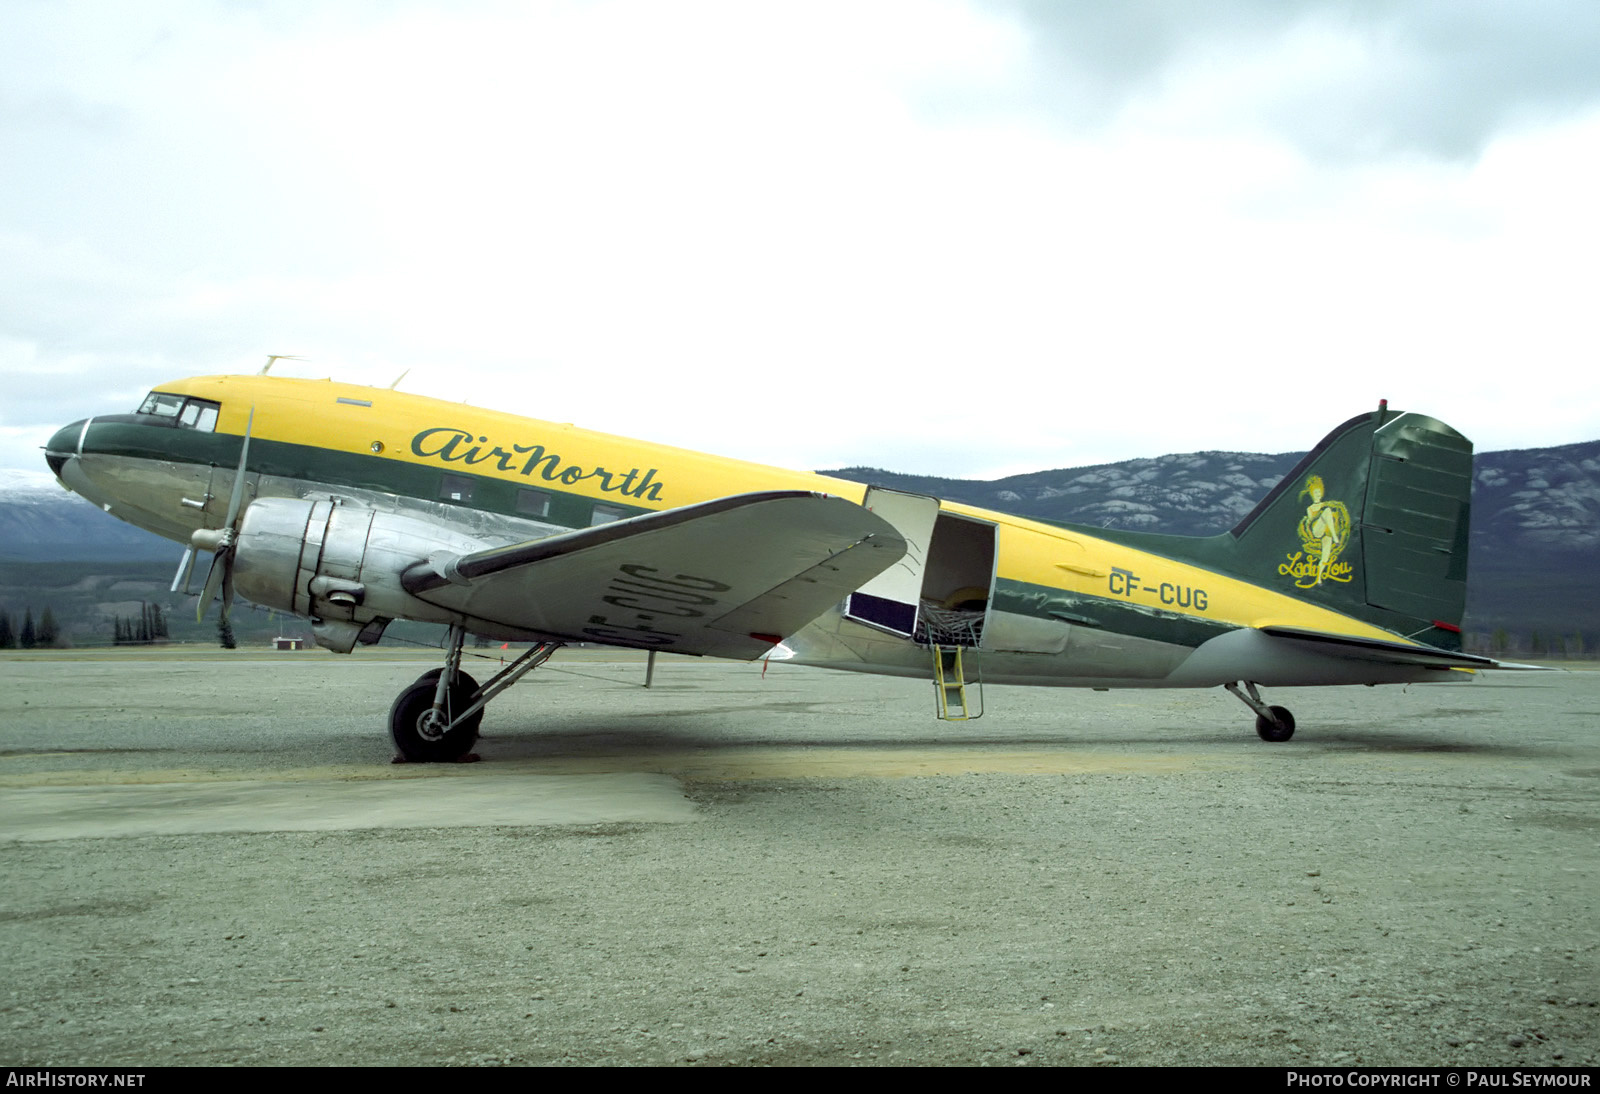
(349, 469)
(1104, 613)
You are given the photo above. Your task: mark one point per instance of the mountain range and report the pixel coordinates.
(1535, 535)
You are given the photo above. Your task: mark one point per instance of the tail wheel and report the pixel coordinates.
(1280, 727)
(420, 733)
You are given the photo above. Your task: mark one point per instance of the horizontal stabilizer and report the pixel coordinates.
(728, 578)
(1388, 653)
(1283, 656)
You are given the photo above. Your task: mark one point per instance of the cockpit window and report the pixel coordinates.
(162, 406)
(198, 414)
(185, 413)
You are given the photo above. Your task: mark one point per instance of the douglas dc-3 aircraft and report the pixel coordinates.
(356, 506)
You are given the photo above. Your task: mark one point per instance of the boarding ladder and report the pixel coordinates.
(950, 685)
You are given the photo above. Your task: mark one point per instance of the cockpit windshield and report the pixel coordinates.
(181, 411)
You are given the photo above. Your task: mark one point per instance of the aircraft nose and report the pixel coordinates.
(63, 446)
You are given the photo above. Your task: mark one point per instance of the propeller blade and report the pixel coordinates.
(220, 565)
(221, 574)
(237, 497)
(180, 580)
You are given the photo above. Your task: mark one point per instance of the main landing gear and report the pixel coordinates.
(436, 719)
(1272, 723)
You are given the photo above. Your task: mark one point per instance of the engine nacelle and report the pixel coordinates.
(338, 565)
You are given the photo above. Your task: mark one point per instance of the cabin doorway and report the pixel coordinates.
(939, 593)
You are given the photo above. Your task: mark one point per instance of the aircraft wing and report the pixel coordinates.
(1386, 653)
(727, 578)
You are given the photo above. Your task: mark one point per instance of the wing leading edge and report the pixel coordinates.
(726, 578)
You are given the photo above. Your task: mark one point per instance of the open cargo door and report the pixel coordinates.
(890, 601)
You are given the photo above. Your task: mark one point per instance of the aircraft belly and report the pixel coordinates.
(1247, 654)
(1090, 659)
(1103, 654)
(1013, 633)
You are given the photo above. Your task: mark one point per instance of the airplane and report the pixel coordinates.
(355, 506)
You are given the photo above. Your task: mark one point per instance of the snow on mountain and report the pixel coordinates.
(43, 521)
(24, 485)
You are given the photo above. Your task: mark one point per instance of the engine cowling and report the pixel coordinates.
(338, 564)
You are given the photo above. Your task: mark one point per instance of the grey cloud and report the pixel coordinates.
(1122, 45)
(1439, 78)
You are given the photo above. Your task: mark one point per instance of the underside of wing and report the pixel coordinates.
(728, 578)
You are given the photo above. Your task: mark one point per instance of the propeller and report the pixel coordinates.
(221, 541)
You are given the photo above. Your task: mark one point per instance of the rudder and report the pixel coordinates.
(1373, 523)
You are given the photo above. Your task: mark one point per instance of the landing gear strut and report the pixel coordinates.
(1272, 723)
(436, 719)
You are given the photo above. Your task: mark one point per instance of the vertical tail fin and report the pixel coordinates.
(1372, 523)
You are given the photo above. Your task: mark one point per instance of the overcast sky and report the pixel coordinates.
(958, 238)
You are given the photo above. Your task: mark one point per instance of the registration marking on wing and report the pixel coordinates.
(640, 595)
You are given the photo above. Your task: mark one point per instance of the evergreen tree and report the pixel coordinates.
(27, 629)
(225, 634)
(49, 635)
(8, 640)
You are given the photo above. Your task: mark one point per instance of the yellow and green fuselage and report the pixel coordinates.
(1060, 604)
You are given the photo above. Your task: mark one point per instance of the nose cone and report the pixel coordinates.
(63, 446)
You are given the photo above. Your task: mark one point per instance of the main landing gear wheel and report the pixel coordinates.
(1280, 727)
(429, 727)
(424, 735)
(462, 679)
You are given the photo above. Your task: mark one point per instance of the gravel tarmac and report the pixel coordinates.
(208, 859)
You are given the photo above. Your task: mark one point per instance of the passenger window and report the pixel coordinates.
(533, 503)
(605, 514)
(455, 488)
